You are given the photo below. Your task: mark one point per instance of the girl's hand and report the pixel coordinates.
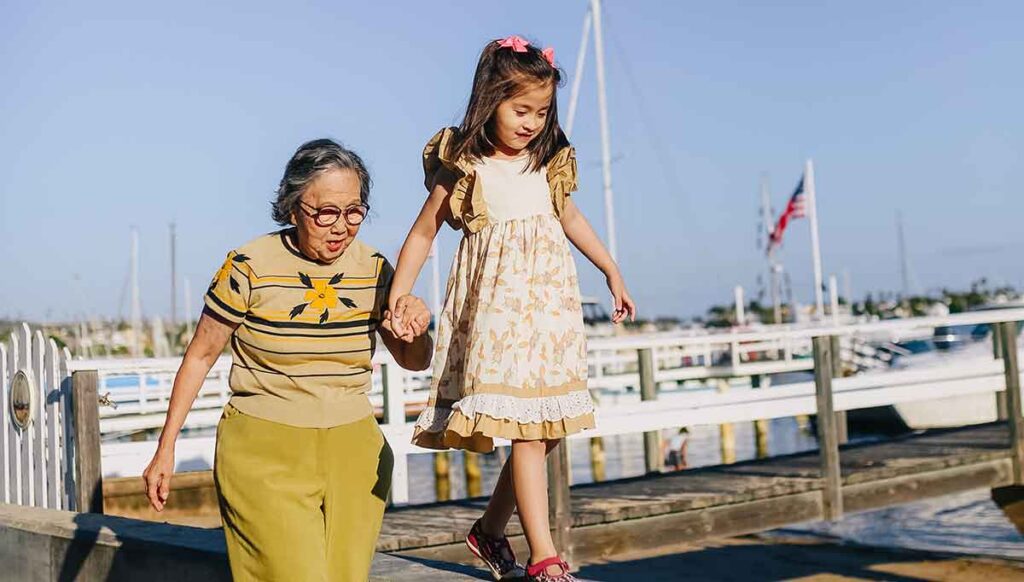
(624, 305)
(157, 478)
(409, 319)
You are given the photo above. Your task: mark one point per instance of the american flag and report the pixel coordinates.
(794, 209)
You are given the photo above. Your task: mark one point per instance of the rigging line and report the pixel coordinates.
(661, 152)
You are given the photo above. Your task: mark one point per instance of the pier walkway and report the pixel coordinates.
(645, 513)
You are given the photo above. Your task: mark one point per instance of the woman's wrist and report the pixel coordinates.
(166, 444)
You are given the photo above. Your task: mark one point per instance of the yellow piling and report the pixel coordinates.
(597, 459)
(760, 426)
(471, 464)
(727, 433)
(442, 483)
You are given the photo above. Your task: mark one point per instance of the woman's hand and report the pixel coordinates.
(624, 305)
(406, 333)
(409, 319)
(157, 477)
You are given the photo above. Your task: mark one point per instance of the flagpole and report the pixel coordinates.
(773, 270)
(812, 207)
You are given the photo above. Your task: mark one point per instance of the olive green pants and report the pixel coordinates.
(302, 504)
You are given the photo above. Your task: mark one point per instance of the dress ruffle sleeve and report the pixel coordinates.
(562, 177)
(468, 211)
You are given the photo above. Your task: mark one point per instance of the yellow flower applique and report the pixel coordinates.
(321, 295)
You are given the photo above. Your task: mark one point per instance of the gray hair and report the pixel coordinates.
(312, 158)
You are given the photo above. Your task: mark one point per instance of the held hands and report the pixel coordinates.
(623, 303)
(408, 319)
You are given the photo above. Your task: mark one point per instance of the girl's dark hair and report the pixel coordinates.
(501, 74)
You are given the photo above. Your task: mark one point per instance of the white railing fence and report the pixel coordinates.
(623, 412)
(36, 453)
(140, 388)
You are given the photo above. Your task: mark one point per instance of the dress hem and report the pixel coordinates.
(477, 434)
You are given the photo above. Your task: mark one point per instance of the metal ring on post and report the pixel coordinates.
(23, 399)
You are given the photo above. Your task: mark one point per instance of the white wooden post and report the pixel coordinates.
(36, 429)
(5, 422)
(741, 316)
(54, 445)
(24, 436)
(394, 415)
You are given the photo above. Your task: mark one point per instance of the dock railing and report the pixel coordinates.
(647, 385)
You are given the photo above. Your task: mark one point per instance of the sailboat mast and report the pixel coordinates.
(902, 250)
(581, 57)
(174, 278)
(136, 300)
(602, 106)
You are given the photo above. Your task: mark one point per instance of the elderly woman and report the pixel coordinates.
(302, 469)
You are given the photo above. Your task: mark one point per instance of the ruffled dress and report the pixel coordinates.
(510, 356)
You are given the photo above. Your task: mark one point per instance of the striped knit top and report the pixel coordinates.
(301, 353)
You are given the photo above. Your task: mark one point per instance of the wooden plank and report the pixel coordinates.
(51, 407)
(67, 433)
(828, 438)
(5, 462)
(88, 476)
(653, 460)
(914, 487)
(38, 426)
(1015, 417)
(13, 447)
(24, 436)
(661, 532)
(842, 430)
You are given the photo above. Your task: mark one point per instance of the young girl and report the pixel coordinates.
(511, 357)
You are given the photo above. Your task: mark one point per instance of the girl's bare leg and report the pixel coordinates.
(501, 505)
(503, 501)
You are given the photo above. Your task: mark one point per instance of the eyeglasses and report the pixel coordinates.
(329, 215)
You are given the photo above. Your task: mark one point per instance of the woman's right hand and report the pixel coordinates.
(157, 477)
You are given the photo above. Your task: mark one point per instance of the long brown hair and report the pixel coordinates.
(501, 74)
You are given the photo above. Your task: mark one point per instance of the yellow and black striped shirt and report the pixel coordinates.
(307, 331)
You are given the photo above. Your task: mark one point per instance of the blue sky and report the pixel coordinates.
(115, 114)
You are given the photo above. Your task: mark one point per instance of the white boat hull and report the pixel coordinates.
(951, 412)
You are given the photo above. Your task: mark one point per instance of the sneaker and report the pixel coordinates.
(539, 571)
(495, 552)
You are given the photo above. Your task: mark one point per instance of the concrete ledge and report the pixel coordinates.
(44, 545)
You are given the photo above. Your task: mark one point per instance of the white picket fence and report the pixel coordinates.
(37, 461)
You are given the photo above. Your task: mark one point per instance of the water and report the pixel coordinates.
(966, 523)
(624, 457)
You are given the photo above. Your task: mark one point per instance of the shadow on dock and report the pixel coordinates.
(755, 558)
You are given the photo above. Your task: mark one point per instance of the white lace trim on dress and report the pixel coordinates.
(501, 406)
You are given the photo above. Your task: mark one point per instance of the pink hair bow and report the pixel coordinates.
(549, 55)
(515, 42)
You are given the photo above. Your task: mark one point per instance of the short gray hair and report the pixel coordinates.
(312, 158)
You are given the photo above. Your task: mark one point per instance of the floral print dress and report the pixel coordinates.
(510, 359)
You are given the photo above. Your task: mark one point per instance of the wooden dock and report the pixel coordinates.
(646, 513)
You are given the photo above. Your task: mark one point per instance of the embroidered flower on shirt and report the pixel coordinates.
(321, 296)
(225, 272)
